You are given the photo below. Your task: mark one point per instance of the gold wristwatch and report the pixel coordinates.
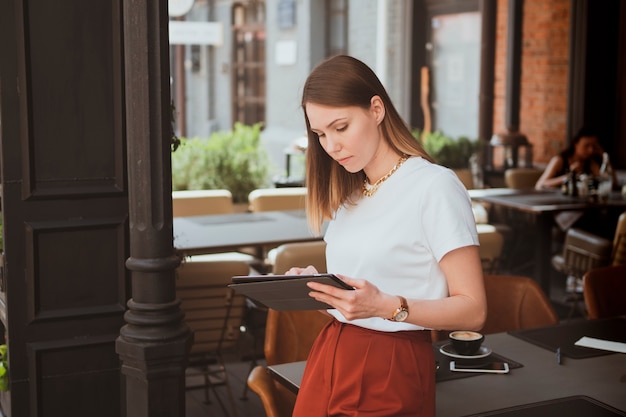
(402, 312)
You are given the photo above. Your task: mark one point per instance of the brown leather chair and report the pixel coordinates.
(604, 291)
(522, 178)
(490, 249)
(289, 337)
(214, 312)
(300, 254)
(618, 255)
(287, 255)
(516, 302)
(513, 303)
(187, 203)
(584, 251)
(272, 199)
(275, 199)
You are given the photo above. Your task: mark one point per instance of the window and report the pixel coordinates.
(248, 62)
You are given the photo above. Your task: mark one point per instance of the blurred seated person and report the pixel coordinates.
(581, 156)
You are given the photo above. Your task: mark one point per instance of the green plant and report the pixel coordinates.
(4, 368)
(232, 160)
(452, 153)
(175, 140)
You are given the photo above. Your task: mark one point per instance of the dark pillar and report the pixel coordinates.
(514, 64)
(512, 140)
(154, 344)
(488, 10)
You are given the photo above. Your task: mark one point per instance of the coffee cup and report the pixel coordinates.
(466, 342)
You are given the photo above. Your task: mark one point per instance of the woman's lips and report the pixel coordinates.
(343, 161)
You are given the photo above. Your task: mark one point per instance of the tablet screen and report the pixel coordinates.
(285, 292)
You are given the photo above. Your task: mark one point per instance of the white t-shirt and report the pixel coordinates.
(396, 238)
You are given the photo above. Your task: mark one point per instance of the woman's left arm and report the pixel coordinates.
(466, 306)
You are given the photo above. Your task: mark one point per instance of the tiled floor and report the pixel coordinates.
(237, 369)
(237, 374)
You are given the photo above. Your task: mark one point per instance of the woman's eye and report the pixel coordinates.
(320, 135)
(342, 128)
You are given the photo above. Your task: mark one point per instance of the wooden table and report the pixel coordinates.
(544, 205)
(231, 232)
(541, 378)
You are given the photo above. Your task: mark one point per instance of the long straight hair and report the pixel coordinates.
(344, 81)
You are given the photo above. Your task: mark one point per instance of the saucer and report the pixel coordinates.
(448, 350)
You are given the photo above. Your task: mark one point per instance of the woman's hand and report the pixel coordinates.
(364, 302)
(577, 167)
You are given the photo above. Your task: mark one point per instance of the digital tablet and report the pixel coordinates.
(285, 292)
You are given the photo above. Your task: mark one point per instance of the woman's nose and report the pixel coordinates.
(332, 145)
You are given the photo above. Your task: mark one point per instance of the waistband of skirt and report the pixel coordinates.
(417, 335)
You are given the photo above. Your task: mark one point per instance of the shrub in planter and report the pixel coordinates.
(232, 160)
(449, 152)
(461, 155)
(4, 368)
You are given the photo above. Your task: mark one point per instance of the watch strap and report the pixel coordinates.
(403, 309)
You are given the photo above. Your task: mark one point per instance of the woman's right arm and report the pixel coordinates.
(549, 179)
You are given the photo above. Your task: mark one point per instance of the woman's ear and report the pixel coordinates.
(377, 107)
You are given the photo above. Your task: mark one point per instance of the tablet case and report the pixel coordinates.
(285, 292)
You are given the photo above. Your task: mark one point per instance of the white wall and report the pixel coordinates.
(284, 118)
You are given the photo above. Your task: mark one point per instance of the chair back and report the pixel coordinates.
(604, 291)
(618, 255)
(201, 202)
(514, 303)
(490, 250)
(521, 178)
(274, 199)
(466, 177)
(289, 336)
(301, 254)
(215, 314)
(213, 311)
(582, 251)
(277, 400)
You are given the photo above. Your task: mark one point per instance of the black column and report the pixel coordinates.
(154, 344)
(513, 65)
(488, 10)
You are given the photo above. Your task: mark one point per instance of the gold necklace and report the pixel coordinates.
(370, 191)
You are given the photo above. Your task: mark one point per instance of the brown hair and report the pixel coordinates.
(343, 81)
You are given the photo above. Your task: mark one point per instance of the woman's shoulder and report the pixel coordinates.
(431, 174)
(417, 162)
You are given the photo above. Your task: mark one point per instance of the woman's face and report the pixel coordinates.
(349, 135)
(586, 147)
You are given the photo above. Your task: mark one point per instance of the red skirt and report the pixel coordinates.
(352, 371)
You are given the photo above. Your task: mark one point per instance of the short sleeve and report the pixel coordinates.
(447, 216)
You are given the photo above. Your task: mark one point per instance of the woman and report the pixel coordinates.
(401, 232)
(579, 157)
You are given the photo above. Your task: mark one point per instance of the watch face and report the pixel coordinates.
(401, 315)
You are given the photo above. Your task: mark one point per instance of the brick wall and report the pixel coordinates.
(543, 94)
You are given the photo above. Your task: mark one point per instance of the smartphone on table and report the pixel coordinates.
(489, 367)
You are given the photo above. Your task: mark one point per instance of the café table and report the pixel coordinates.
(230, 232)
(539, 379)
(544, 205)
